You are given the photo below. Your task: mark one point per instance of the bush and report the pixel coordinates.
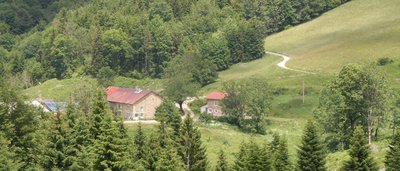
(384, 61)
(205, 117)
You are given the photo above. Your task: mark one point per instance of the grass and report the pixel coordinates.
(360, 31)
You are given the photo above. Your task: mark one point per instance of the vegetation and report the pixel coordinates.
(393, 155)
(311, 154)
(360, 154)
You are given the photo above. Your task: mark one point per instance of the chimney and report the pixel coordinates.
(137, 89)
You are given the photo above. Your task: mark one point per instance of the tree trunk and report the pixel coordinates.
(370, 126)
(180, 102)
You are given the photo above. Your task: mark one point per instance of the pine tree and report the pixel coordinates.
(99, 108)
(191, 149)
(360, 154)
(111, 148)
(56, 147)
(7, 157)
(311, 156)
(281, 160)
(170, 115)
(240, 161)
(222, 165)
(392, 161)
(139, 156)
(169, 160)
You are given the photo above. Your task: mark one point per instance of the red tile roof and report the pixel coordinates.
(215, 96)
(126, 95)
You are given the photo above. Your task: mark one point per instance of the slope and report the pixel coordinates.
(357, 32)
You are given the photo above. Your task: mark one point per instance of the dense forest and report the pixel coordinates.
(137, 38)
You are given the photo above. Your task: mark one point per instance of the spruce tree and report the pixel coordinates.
(360, 154)
(170, 115)
(8, 161)
(57, 142)
(222, 165)
(99, 108)
(191, 149)
(111, 148)
(168, 160)
(140, 147)
(392, 161)
(311, 156)
(281, 160)
(240, 161)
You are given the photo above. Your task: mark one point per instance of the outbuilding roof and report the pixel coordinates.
(215, 96)
(126, 95)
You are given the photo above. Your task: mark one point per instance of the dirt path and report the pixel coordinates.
(282, 64)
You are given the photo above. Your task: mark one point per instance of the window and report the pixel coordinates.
(142, 109)
(216, 103)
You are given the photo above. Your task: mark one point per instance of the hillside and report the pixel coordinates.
(359, 31)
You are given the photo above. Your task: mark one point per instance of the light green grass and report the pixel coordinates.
(360, 31)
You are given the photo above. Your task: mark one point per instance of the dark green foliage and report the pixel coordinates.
(311, 154)
(168, 113)
(245, 42)
(57, 145)
(105, 77)
(247, 103)
(22, 128)
(139, 144)
(359, 95)
(191, 149)
(179, 81)
(252, 157)
(360, 154)
(279, 150)
(137, 37)
(8, 162)
(222, 164)
(392, 161)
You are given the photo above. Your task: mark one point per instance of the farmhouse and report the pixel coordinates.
(133, 103)
(213, 106)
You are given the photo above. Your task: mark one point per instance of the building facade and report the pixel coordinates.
(133, 103)
(213, 106)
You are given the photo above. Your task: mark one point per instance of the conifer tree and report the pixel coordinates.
(99, 108)
(240, 163)
(170, 115)
(191, 149)
(222, 165)
(168, 160)
(7, 157)
(360, 154)
(311, 156)
(56, 147)
(281, 160)
(139, 154)
(392, 161)
(111, 149)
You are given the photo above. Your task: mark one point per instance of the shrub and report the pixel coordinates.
(384, 61)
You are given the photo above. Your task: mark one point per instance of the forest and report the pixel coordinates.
(139, 38)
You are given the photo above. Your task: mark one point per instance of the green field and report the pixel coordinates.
(360, 31)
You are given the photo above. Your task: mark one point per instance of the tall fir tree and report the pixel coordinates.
(8, 161)
(191, 150)
(140, 150)
(57, 143)
(392, 161)
(311, 154)
(222, 164)
(168, 113)
(99, 108)
(240, 161)
(281, 160)
(360, 154)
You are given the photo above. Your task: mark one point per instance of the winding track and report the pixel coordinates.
(282, 64)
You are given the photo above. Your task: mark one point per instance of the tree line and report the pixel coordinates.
(136, 38)
(75, 140)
